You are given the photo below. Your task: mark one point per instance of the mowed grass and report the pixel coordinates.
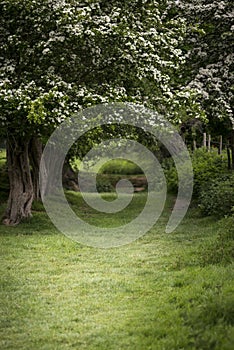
(159, 292)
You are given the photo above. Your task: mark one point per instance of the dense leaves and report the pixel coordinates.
(210, 61)
(61, 56)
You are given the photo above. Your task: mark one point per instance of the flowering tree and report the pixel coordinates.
(59, 56)
(210, 58)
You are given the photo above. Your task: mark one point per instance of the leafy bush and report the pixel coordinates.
(121, 167)
(104, 184)
(171, 175)
(207, 166)
(217, 196)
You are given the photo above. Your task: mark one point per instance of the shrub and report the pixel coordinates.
(217, 196)
(121, 167)
(171, 175)
(104, 184)
(207, 166)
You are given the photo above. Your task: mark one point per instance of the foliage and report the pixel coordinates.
(121, 166)
(171, 175)
(207, 166)
(107, 182)
(217, 196)
(209, 64)
(59, 57)
(104, 184)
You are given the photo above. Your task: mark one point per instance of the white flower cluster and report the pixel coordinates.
(211, 54)
(60, 56)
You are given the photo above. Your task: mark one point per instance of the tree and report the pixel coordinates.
(209, 64)
(59, 56)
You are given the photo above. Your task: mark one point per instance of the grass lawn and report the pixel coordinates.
(163, 291)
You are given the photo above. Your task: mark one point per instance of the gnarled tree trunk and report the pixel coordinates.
(21, 188)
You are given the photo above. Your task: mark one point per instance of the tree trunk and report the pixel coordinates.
(35, 158)
(50, 174)
(70, 177)
(21, 188)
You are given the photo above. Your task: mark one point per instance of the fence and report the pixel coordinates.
(220, 145)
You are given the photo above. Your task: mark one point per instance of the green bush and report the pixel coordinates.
(171, 175)
(207, 166)
(217, 196)
(104, 184)
(121, 167)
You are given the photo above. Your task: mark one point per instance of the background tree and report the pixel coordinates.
(210, 58)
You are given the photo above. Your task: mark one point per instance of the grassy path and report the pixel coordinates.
(160, 292)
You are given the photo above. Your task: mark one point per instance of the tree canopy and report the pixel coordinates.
(209, 65)
(59, 56)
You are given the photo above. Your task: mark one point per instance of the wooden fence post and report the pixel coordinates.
(204, 139)
(232, 149)
(209, 139)
(228, 156)
(194, 145)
